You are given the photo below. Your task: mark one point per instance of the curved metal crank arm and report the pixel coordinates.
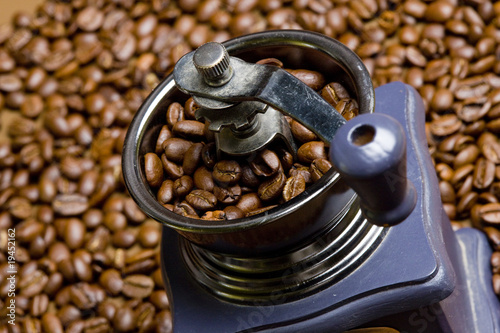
(268, 84)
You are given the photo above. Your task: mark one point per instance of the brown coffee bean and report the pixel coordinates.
(189, 129)
(182, 186)
(83, 271)
(163, 321)
(495, 262)
(176, 148)
(229, 195)
(484, 173)
(310, 151)
(39, 305)
(319, 168)
(314, 80)
(185, 209)
(266, 163)
(490, 213)
(90, 18)
(272, 188)
(333, 93)
(293, 186)
(68, 314)
(233, 212)
(32, 284)
(145, 316)
(445, 125)
(124, 320)
(96, 324)
(493, 235)
(490, 147)
(302, 133)
(28, 230)
(124, 238)
(137, 286)
(192, 158)
(467, 155)
(51, 323)
(107, 309)
(70, 204)
(85, 296)
(74, 233)
(466, 202)
(153, 169)
(175, 113)
(172, 170)
(261, 210)
(149, 235)
(201, 200)
(249, 202)
(166, 192)
(226, 172)
(111, 281)
(439, 11)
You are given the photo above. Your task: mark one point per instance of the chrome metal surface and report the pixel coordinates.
(262, 131)
(268, 84)
(212, 62)
(292, 275)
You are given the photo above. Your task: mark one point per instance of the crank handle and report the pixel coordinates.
(369, 152)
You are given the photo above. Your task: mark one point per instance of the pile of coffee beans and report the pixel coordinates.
(190, 180)
(73, 73)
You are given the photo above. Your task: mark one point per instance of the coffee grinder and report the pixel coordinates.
(367, 245)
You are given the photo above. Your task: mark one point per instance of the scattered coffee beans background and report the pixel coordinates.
(73, 73)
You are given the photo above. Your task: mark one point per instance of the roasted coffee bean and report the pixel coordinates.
(32, 284)
(484, 173)
(226, 172)
(111, 281)
(313, 79)
(51, 323)
(166, 192)
(149, 235)
(249, 202)
(201, 200)
(233, 212)
(175, 113)
(137, 286)
(319, 168)
(445, 125)
(203, 179)
(266, 163)
(96, 324)
(185, 209)
(70, 204)
(124, 320)
(293, 187)
(192, 158)
(189, 129)
(124, 238)
(68, 314)
(153, 169)
(490, 213)
(229, 195)
(302, 133)
(175, 149)
(173, 170)
(39, 305)
(272, 188)
(310, 151)
(182, 186)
